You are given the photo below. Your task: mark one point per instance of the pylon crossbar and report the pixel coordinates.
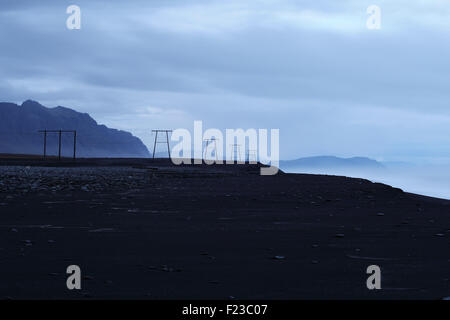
(60, 132)
(157, 131)
(212, 141)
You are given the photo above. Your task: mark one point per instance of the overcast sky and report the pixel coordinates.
(310, 68)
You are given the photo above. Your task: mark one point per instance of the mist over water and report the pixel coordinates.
(429, 180)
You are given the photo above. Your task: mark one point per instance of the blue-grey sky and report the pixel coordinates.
(310, 68)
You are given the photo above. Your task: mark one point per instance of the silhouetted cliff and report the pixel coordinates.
(19, 126)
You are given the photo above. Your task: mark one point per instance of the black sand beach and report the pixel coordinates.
(150, 230)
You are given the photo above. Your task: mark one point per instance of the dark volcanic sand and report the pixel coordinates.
(162, 232)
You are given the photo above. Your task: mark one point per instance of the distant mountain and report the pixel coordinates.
(331, 162)
(19, 126)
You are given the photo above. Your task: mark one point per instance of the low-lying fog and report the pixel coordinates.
(430, 180)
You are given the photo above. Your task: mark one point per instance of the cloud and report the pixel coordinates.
(310, 68)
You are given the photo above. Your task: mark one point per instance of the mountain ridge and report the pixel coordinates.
(19, 126)
(332, 162)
